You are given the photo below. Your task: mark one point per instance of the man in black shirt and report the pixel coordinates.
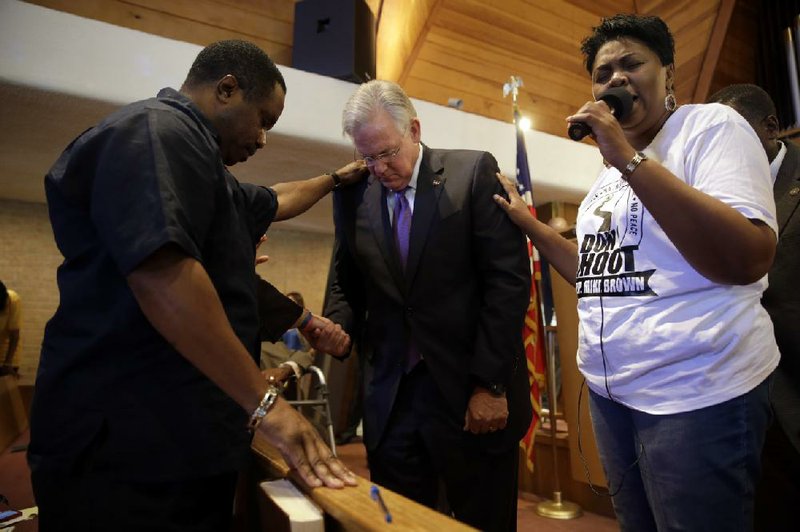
(148, 377)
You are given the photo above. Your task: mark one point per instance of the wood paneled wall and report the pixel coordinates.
(737, 60)
(268, 23)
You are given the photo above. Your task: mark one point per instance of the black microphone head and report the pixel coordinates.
(619, 100)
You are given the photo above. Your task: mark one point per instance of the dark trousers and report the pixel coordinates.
(690, 471)
(425, 454)
(778, 490)
(99, 503)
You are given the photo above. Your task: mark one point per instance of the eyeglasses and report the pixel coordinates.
(385, 157)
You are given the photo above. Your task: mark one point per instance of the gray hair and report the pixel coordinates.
(374, 96)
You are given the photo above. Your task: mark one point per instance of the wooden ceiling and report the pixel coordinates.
(467, 49)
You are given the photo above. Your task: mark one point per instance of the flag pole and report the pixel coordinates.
(557, 508)
(532, 330)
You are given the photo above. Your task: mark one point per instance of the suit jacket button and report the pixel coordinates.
(409, 311)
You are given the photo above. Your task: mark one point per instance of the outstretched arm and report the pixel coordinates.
(558, 251)
(296, 197)
(178, 298)
(345, 299)
(278, 313)
(325, 336)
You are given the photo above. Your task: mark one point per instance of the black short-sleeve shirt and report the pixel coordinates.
(111, 394)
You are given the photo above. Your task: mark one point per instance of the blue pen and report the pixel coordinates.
(375, 493)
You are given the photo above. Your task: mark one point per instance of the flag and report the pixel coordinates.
(533, 329)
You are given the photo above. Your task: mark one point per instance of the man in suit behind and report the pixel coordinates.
(779, 489)
(440, 280)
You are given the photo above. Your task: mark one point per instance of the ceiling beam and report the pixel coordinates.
(399, 42)
(713, 50)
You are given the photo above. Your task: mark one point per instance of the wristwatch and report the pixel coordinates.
(495, 388)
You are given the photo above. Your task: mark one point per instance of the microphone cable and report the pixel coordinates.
(596, 489)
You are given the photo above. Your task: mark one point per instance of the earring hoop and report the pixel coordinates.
(670, 103)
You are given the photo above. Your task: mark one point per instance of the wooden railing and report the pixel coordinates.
(353, 509)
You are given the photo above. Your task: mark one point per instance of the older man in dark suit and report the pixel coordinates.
(779, 490)
(440, 278)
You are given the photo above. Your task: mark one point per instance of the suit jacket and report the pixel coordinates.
(461, 300)
(782, 298)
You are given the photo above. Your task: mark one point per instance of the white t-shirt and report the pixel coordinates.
(661, 337)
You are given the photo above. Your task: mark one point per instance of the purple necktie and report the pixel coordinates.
(402, 234)
(402, 224)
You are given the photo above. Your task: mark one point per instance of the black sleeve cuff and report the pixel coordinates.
(276, 312)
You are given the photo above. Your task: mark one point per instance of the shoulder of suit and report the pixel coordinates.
(456, 152)
(460, 156)
(355, 188)
(792, 158)
(792, 148)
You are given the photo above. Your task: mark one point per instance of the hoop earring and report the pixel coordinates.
(670, 103)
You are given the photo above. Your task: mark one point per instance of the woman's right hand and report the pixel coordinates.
(559, 251)
(606, 132)
(515, 206)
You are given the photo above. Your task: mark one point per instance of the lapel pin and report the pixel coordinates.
(437, 181)
(794, 192)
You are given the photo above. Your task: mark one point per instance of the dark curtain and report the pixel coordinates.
(775, 16)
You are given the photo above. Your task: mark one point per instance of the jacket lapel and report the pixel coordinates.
(430, 184)
(787, 186)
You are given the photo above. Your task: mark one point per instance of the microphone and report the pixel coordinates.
(617, 98)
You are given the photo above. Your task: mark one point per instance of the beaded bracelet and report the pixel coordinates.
(633, 165)
(305, 321)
